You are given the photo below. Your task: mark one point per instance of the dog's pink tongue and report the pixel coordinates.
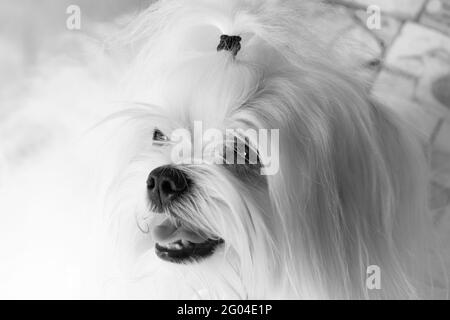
(164, 231)
(167, 232)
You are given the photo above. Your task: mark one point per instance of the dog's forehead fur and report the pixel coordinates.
(179, 68)
(218, 89)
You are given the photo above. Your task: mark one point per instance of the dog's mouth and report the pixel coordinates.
(178, 243)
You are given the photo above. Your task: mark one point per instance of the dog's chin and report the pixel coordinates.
(178, 242)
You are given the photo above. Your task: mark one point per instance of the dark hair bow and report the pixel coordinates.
(230, 43)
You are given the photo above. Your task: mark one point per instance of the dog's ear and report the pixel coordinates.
(350, 193)
(380, 180)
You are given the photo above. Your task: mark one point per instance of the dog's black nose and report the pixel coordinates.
(164, 184)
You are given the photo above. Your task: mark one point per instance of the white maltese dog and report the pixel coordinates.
(245, 161)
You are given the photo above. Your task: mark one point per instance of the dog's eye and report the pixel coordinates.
(159, 138)
(244, 153)
(251, 155)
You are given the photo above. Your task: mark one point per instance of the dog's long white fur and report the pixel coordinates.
(351, 190)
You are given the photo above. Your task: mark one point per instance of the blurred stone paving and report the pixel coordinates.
(408, 68)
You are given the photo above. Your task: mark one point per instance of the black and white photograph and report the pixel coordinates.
(225, 150)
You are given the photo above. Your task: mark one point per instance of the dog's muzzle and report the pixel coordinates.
(176, 241)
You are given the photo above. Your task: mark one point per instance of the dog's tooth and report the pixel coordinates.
(177, 246)
(173, 246)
